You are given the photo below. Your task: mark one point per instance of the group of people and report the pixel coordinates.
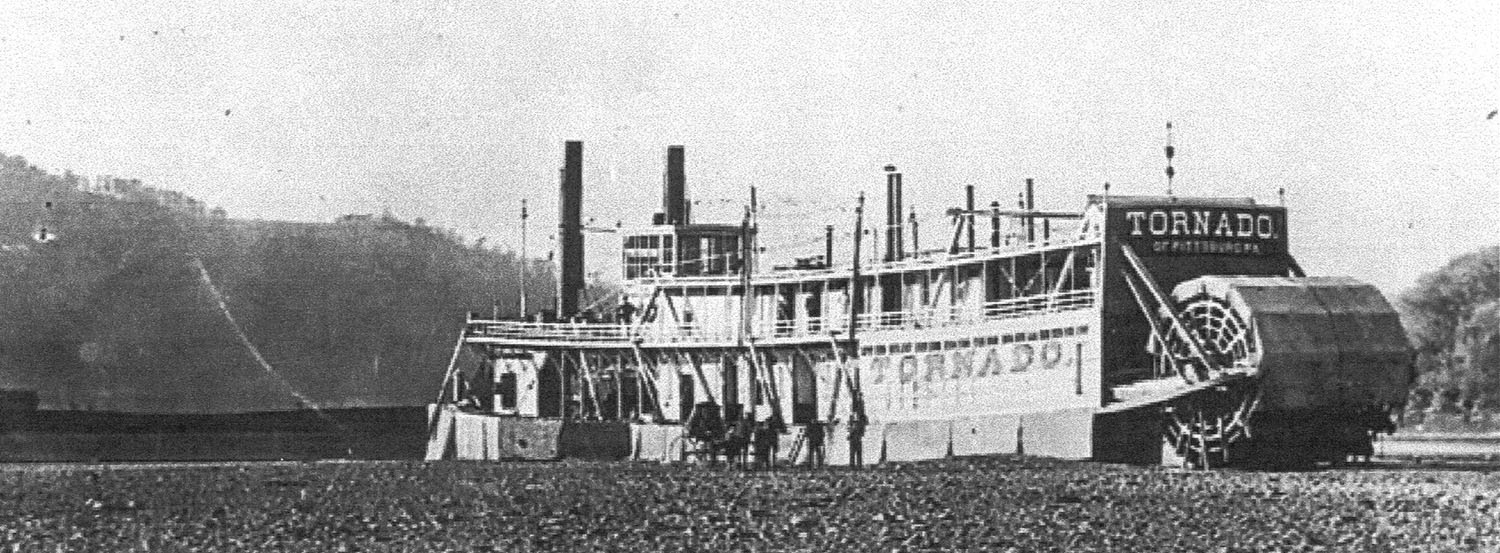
(763, 438)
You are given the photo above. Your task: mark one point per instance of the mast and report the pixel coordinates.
(969, 219)
(1171, 152)
(745, 295)
(754, 231)
(856, 295)
(524, 261)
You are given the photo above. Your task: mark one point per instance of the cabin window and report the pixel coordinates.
(691, 257)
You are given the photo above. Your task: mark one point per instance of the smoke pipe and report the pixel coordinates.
(1030, 206)
(674, 188)
(969, 219)
(900, 232)
(828, 246)
(1020, 206)
(995, 224)
(570, 230)
(916, 247)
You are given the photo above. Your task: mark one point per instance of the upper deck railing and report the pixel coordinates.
(805, 330)
(928, 259)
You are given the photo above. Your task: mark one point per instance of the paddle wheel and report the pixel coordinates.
(1279, 371)
(1201, 428)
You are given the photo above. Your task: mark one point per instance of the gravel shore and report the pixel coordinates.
(996, 504)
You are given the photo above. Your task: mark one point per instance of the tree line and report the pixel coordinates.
(103, 303)
(1452, 316)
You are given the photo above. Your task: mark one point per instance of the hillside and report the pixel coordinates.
(108, 300)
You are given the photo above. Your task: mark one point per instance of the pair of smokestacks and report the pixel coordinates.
(675, 211)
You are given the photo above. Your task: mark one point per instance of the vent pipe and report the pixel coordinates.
(570, 231)
(1030, 206)
(674, 188)
(995, 224)
(916, 247)
(828, 247)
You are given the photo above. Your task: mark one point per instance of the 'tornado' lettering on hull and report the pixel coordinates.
(965, 363)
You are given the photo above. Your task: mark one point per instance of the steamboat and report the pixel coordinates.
(1144, 329)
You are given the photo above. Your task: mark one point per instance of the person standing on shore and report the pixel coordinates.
(814, 435)
(857, 424)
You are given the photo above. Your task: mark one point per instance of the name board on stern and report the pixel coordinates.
(1196, 230)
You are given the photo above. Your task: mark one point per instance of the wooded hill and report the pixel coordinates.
(103, 304)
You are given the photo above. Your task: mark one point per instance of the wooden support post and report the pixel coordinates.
(640, 390)
(772, 391)
(698, 369)
(562, 386)
(619, 388)
(762, 388)
(587, 374)
(644, 369)
(833, 404)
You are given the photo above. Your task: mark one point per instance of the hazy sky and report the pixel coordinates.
(1372, 118)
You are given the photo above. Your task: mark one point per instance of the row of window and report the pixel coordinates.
(966, 343)
(648, 242)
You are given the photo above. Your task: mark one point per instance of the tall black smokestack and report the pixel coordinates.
(570, 231)
(674, 190)
(894, 249)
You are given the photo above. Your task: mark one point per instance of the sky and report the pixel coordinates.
(1372, 116)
